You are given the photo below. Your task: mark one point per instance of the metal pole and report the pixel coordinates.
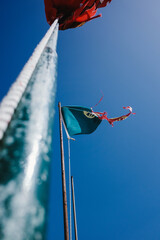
(26, 124)
(65, 212)
(74, 210)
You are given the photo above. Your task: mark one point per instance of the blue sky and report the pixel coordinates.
(116, 170)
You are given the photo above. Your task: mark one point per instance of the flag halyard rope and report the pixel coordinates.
(69, 164)
(66, 130)
(70, 210)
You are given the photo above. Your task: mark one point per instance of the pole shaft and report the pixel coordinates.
(26, 130)
(74, 210)
(65, 212)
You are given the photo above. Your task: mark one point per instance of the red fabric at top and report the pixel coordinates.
(72, 13)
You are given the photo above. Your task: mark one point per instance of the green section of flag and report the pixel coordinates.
(79, 120)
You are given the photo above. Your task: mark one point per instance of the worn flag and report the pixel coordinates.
(82, 120)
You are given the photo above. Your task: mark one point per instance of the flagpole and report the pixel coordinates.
(26, 130)
(65, 212)
(74, 210)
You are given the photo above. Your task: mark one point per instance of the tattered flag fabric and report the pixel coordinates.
(103, 116)
(79, 120)
(82, 120)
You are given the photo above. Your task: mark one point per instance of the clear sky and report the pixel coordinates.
(116, 170)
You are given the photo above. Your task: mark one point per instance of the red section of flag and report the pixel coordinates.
(103, 116)
(72, 13)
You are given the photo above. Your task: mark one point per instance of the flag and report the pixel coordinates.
(82, 120)
(79, 120)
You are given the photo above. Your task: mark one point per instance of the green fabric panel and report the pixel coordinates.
(79, 120)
